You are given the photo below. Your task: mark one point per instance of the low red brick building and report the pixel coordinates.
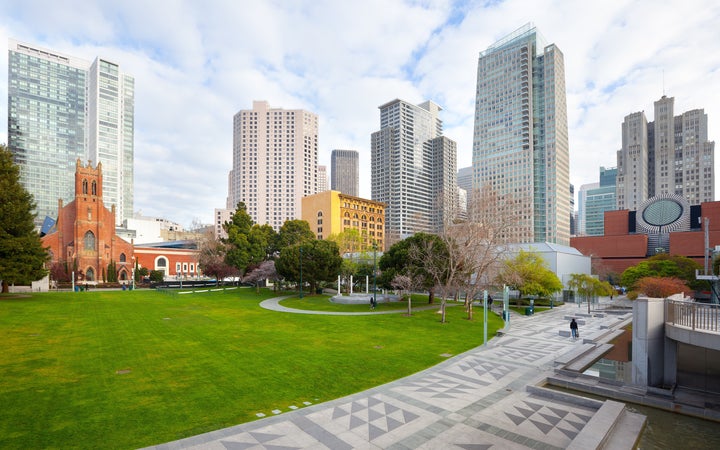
(665, 224)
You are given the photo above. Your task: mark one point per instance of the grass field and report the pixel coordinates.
(127, 369)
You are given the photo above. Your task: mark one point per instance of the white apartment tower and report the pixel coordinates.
(345, 172)
(275, 154)
(520, 142)
(413, 169)
(62, 108)
(671, 155)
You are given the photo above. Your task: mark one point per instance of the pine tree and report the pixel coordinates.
(22, 257)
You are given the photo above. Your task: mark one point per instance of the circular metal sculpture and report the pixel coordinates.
(659, 216)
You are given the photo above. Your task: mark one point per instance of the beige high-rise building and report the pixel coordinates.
(671, 155)
(322, 180)
(275, 154)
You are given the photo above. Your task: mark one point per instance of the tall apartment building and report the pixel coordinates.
(275, 154)
(322, 179)
(345, 172)
(594, 200)
(671, 155)
(520, 142)
(413, 169)
(61, 108)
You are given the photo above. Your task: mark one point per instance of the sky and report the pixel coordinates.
(197, 63)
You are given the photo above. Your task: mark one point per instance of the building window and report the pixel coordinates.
(90, 274)
(94, 188)
(89, 241)
(84, 187)
(122, 257)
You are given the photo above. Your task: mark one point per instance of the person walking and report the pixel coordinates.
(574, 329)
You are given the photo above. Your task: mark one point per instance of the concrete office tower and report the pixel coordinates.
(345, 172)
(61, 108)
(632, 162)
(520, 142)
(413, 169)
(275, 154)
(322, 179)
(464, 178)
(671, 155)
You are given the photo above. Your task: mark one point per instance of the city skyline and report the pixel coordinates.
(194, 70)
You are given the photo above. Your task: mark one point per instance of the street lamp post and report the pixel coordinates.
(301, 258)
(374, 275)
(133, 273)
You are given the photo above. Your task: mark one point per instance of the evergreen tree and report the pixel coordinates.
(22, 257)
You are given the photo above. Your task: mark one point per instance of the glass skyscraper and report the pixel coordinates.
(520, 142)
(344, 172)
(60, 109)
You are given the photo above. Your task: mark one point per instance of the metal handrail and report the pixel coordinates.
(696, 316)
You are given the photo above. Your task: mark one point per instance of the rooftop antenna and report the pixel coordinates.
(663, 82)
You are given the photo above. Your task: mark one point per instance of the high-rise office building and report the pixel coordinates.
(520, 142)
(345, 172)
(413, 169)
(61, 108)
(275, 154)
(594, 200)
(671, 155)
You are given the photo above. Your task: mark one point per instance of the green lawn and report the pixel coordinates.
(127, 369)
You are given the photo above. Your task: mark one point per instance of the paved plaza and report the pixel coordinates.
(485, 398)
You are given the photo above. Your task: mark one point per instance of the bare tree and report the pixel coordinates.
(405, 283)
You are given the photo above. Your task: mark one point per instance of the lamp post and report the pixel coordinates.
(301, 258)
(374, 274)
(133, 273)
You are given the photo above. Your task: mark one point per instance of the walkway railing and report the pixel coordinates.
(696, 316)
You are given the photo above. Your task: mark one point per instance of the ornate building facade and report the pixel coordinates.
(84, 239)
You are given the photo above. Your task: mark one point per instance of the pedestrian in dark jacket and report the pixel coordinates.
(574, 329)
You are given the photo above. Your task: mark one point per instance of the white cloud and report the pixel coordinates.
(197, 63)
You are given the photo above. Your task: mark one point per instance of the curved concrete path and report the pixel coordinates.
(273, 304)
(484, 398)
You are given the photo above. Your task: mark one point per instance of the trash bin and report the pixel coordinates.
(77, 288)
(506, 315)
(529, 311)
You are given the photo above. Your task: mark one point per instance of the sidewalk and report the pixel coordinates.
(486, 397)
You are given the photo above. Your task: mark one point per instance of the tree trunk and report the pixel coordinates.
(431, 296)
(5, 287)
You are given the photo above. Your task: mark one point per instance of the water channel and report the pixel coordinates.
(664, 429)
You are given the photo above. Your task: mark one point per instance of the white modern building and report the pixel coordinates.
(520, 142)
(61, 109)
(275, 155)
(414, 169)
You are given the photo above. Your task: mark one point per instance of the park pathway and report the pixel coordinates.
(485, 398)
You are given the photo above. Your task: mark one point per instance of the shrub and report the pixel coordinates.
(661, 287)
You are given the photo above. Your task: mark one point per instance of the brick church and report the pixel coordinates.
(84, 238)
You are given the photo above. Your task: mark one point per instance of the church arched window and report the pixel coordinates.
(84, 187)
(89, 241)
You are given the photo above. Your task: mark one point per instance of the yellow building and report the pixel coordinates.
(332, 212)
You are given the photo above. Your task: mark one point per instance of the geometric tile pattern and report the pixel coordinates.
(435, 386)
(371, 417)
(548, 418)
(484, 369)
(529, 356)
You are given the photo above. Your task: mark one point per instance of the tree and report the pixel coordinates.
(157, 276)
(294, 232)
(661, 287)
(588, 286)
(663, 265)
(264, 271)
(438, 263)
(528, 273)
(246, 244)
(405, 283)
(211, 258)
(397, 260)
(318, 260)
(22, 256)
(348, 241)
(479, 244)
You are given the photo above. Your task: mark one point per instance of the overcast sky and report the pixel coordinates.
(197, 63)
